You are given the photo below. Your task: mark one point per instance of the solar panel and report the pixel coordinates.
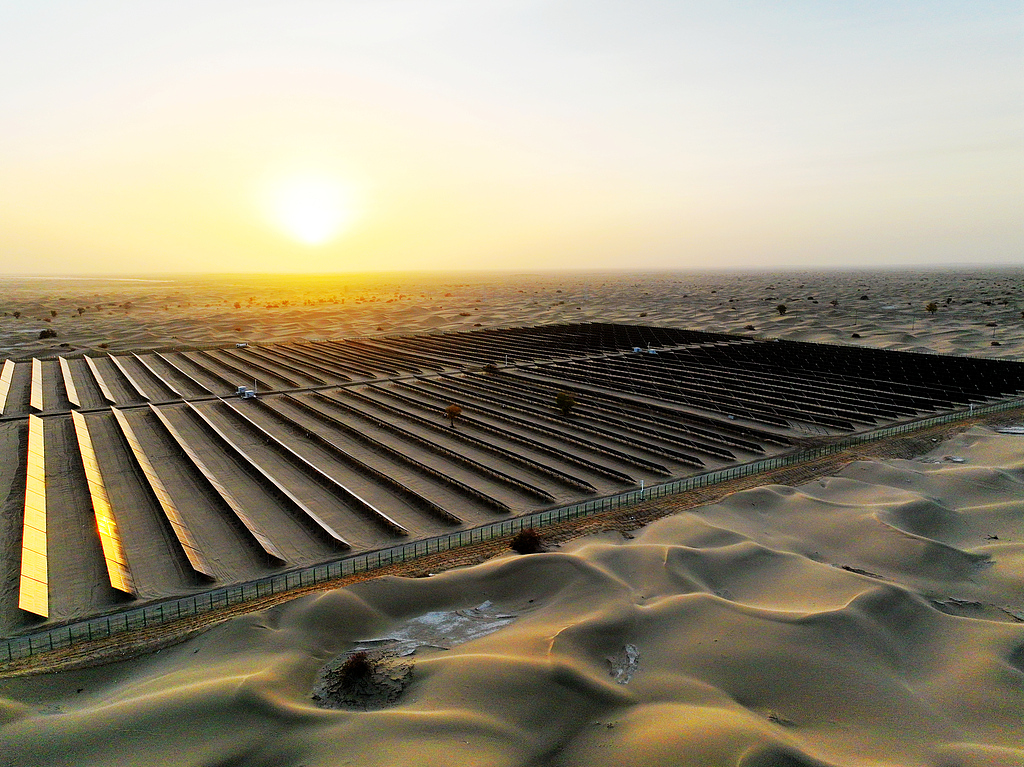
(178, 523)
(104, 389)
(267, 478)
(188, 376)
(69, 382)
(113, 551)
(33, 592)
(131, 381)
(35, 399)
(5, 383)
(229, 500)
(153, 372)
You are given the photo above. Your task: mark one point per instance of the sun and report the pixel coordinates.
(311, 210)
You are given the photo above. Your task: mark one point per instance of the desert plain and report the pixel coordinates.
(886, 310)
(874, 617)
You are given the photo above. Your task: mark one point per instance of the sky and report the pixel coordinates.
(143, 136)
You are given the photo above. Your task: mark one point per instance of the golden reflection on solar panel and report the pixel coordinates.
(113, 551)
(178, 524)
(5, 384)
(33, 591)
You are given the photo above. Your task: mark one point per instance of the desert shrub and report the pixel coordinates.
(357, 668)
(527, 541)
(48, 333)
(749, 327)
(490, 368)
(451, 413)
(781, 309)
(932, 308)
(565, 401)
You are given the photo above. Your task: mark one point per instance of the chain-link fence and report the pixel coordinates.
(195, 604)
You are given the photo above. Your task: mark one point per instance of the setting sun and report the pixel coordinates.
(311, 210)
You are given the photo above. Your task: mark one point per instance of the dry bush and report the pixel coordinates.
(451, 413)
(565, 401)
(527, 541)
(357, 668)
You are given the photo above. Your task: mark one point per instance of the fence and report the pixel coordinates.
(196, 604)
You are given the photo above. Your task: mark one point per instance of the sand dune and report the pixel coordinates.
(885, 310)
(870, 618)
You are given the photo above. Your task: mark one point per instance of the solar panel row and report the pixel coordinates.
(114, 556)
(69, 382)
(36, 395)
(6, 376)
(178, 524)
(33, 591)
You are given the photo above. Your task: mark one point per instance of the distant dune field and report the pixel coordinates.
(886, 310)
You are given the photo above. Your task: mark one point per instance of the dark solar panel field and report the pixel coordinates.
(151, 477)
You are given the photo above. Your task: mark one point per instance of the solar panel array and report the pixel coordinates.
(348, 448)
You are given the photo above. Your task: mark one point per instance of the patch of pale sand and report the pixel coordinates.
(745, 641)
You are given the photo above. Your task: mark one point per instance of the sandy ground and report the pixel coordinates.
(874, 617)
(155, 313)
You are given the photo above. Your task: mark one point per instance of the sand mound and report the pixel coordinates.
(871, 618)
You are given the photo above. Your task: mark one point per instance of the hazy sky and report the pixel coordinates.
(141, 135)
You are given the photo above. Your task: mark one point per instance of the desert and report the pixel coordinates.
(886, 309)
(869, 616)
(516, 384)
